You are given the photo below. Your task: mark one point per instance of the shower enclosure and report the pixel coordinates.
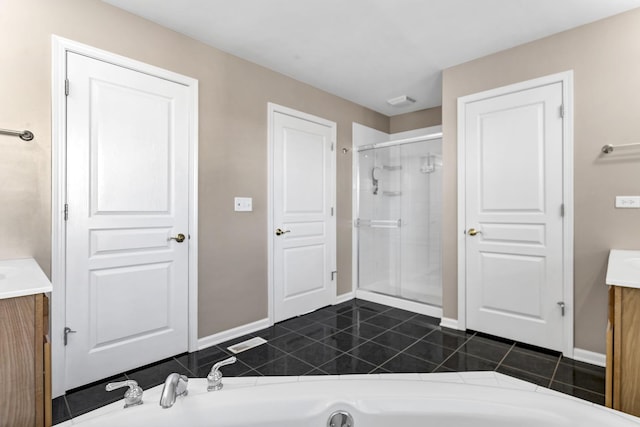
(399, 219)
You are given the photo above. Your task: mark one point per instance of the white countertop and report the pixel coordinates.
(624, 268)
(21, 277)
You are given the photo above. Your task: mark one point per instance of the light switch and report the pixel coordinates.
(628, 202)
(243, 204)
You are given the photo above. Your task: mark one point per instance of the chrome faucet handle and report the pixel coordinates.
(214, 379)
(133, 396)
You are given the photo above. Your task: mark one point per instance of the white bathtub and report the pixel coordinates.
(478, 399)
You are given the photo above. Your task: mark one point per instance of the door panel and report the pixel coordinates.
(127, 168)
(514, 198)
(115, 319)
(121, 137)
(512, 284)
(303, 193)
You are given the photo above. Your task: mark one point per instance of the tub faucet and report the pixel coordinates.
(175, 385)
(133, 396)
(214, 379)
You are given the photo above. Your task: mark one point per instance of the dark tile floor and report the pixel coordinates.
(359, 337)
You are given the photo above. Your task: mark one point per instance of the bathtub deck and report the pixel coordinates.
(359, 337)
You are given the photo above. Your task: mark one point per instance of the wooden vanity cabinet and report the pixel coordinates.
(23, 344)
(623, 350)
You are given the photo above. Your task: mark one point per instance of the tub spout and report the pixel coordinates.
(175, 385)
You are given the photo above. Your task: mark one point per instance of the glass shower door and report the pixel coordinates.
(379, 221)
(399, 221)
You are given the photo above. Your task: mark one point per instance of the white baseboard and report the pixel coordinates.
(230, 334)
(344, 298)
(592, 357)
(447, 322)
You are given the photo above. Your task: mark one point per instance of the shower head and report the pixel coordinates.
(375, 174)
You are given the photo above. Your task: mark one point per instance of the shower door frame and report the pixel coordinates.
(431, 133)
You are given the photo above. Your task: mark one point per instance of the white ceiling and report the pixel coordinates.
(368, 51)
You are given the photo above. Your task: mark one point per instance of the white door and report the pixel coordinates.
(127, 175)
(514, 197)
(303, 215)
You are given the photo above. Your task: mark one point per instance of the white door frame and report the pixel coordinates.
(271, 110)
(60, 47)
(566, 78)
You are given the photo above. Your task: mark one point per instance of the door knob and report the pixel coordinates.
(280, 232)
(473, 232)
(179, 238)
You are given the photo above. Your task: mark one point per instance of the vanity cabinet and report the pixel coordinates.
(623, 347)
(24, 352)
(622, 383)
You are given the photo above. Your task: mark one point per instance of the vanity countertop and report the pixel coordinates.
(21, 277)
(624, 268)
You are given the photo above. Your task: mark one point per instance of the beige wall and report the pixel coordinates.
(233, 152)
(416, 120)
(605, 57)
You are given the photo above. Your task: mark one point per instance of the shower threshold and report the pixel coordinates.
(399, 302)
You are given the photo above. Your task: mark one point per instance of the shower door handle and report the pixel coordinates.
(280, 232)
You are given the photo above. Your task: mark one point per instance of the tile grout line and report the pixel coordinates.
(505, 356)
(398, 352)
(454, 352)
(66, 404)
(385, 331)
(318, 367)
(187, 369)
(255, 368)
(579, 388)
(553, 375)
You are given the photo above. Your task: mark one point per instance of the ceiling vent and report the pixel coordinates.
(401, 101)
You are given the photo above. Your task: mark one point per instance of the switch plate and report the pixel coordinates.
(628, 202)
(243, 204)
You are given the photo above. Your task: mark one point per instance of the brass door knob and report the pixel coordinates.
(473, 232)
(280, 232)
(179, 238)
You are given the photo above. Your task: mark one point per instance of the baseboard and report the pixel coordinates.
(592, 357)
(447, 322)
(344, 298)
(230, 334)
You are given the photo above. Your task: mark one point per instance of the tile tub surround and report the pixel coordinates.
(360, 337)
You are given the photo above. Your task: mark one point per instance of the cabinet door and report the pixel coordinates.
(626, 393)
(17, 368)
(609, 371)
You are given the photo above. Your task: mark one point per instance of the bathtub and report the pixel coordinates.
(478, 399)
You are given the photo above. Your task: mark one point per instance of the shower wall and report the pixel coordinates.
(399, 220)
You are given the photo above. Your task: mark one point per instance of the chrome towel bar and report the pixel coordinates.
(606, 149)
(378, 223)
(24, 135)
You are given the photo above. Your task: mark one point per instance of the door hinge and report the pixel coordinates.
(562, 111)
(332, 146)
(66, 211)
(66, 87)
(333, 275)
(561, 305)
(331, 210)
(562, 210)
